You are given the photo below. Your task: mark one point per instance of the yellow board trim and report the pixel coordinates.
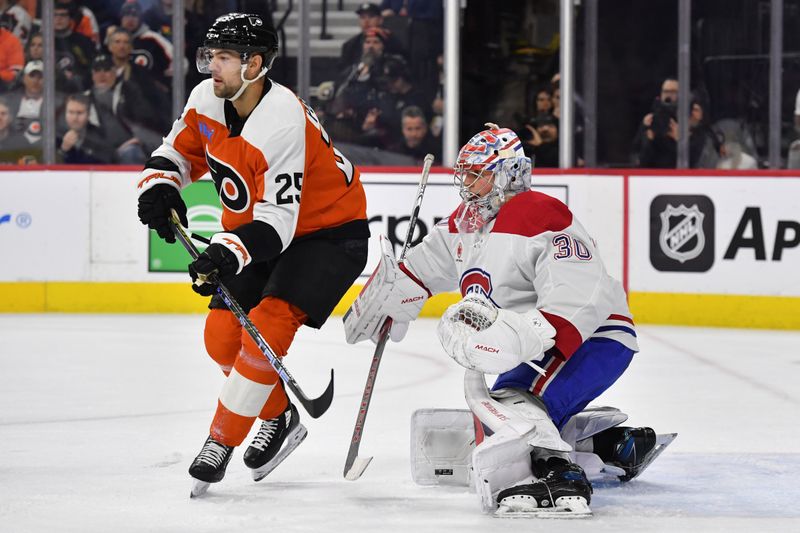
(766, 312)
(716, 310)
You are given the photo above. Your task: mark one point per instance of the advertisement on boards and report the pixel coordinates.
(44, 226)
(715, 235)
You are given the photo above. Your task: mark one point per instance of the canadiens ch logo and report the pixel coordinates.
(682, 236)
(476, 281)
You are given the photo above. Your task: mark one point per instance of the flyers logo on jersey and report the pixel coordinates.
(231, 186)
(476, 281)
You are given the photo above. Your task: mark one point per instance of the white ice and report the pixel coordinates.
(101, 415)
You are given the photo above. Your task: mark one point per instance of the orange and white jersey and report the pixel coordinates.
(277, 170)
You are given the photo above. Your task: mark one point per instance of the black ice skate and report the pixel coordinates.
(209, 466)
(631, 449)
(275, 440)
(561, 491)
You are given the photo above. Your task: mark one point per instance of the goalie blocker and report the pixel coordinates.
(392, 292)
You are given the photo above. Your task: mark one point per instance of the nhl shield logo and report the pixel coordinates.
(679, 227)
(682, 233)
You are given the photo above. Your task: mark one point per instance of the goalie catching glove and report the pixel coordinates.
(479, 336)
(391, 292)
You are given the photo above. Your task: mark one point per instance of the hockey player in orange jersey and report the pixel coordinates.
(294, 229)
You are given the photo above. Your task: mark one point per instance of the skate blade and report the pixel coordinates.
(198, 488)
(567, 507)
(359, 465)
(294, 439)
(662, 441)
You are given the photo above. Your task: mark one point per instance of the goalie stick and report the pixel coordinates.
(315, 407)
(355, 465)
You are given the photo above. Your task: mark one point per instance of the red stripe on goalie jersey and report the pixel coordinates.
(330, 196)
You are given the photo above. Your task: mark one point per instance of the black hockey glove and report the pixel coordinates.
(216, 263)
(155, 207)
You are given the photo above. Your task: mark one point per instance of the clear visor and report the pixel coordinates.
(226, 59)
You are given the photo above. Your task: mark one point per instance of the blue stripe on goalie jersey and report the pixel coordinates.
(616, 328)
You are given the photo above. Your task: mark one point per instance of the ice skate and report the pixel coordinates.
(561, 491)
(275, 440)
(209, 466)
(632, 449)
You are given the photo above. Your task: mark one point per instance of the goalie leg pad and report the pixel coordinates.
(442, 441)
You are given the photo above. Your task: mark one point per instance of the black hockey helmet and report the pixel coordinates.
(244, 32)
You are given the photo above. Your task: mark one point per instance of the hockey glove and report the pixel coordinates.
(155, 205)
(479, 336)
(389, 293)
(216, 263)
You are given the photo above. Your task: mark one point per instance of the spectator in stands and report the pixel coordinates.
(74, 51)
(425, 37)
(399, 92)
(35, 48)
(150, 49)
(114, 106)
(13, 146)
(540, 141)
(370, 19)
(159, 18)
(79, 141)
(544, 102)
(83, 20)
(417, 140)
(356, 104)
(705, 144)
(12, 58)
(119, 47)
(25, 103)
(655, 144)
(16, 20)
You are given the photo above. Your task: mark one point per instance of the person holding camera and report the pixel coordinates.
(656, 142)
(540, 140)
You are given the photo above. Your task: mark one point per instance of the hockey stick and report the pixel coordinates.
(355, 465)
(315, 407)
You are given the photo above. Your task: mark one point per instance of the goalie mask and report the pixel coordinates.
(245, 33)
(490, 168)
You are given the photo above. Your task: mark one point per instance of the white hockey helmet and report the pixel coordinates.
(493, 157)
(493, 153)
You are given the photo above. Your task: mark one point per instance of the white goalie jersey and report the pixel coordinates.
(533, 254)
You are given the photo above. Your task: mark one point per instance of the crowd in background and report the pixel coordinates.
(115, 63)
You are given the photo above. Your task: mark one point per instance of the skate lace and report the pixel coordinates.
(265, 433)
(213, 454)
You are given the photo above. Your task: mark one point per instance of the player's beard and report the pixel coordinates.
(226, 90)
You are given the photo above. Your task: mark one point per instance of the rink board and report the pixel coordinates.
(692, 248)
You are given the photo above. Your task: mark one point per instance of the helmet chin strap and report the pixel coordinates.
(245, 82)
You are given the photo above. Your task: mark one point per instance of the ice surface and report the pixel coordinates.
(101, 415)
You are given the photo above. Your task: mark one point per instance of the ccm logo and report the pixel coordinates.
(490, 349)
(411, 300)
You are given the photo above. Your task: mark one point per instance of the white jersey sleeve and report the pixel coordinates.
(432, 262)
